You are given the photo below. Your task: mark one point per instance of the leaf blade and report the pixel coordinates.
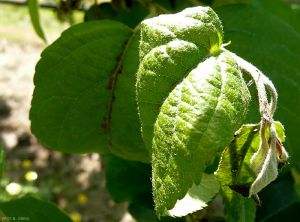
(1, 159)
(75, 85)
(197, 197)
(33, 7)
(128, 180)
(170, 48)
(52, 99)
(191, 125)
(34, 210)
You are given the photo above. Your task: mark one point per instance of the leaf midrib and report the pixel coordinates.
(113, 82)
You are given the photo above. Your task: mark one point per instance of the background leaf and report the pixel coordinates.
(175, 5)
(128, 181)
(34, 210)
(33, 6)
(130, 16)
(74, 97)
(125, 131)
(1, 158)
(145, 214)
(240, 209)
(280, 201)
(281, 10)
(142, 213)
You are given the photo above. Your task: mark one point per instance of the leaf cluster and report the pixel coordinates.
(85, 101)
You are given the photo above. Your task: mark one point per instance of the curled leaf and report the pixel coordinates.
(237, 172)
(266, 160)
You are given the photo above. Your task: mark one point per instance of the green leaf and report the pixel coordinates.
(170, 48)
(296, 176)
(175, 5)
(79, 95)
(125, 133)
(1, 158)
(219, 3)
(33, 210)
(197, 196)
(277, 8)
(128, 180)
(198, 118)
(33, 6)
(236, 174)
(280, 201)
(273, 46)
(281, 10)
(130, 16)
(142, 213)
(240, 209)
(146, 214)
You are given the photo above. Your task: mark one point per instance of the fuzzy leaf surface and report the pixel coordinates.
(171, 46)
(198, 118)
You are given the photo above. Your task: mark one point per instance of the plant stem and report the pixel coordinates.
(262, 82)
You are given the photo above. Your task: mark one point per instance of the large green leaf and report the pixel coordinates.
(277, 8)
(77, 101)
(33, 210)
(198, 118)
(125, 131)
(273, 46)
(170, 47)
(33, 6)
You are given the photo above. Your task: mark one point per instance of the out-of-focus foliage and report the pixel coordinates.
(35, 18)
(32, 209)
